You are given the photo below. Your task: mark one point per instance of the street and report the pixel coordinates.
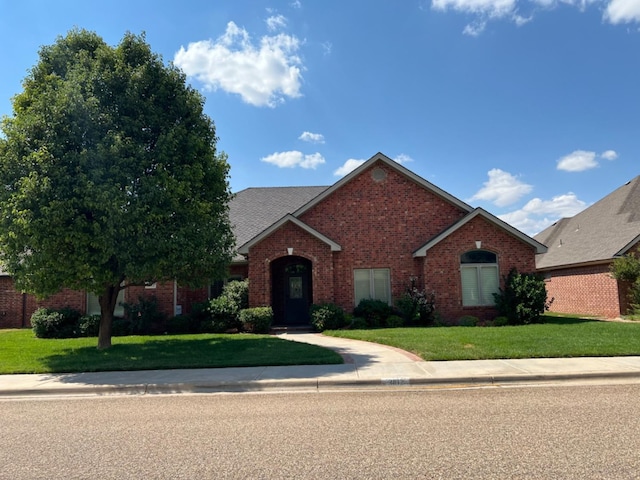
(571, 432)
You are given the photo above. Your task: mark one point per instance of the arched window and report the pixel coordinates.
(479, 272)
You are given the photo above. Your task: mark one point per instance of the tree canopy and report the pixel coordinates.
(110, 175)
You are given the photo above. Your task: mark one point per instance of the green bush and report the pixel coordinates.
(394, 321)
(523, 299)
(144, 316)
(224, 315)
(500, 321)
(417, 306)
(121, 327)
(627, 269)
(257, 319)
(375, 312)
(224, 310)
(358, 323)
(200, 316)
(50, 323)
(89, 325)
(327, 316)
(179, 324)
(468, 321)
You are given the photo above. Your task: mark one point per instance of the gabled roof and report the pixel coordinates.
(254, 209)
(479, 212)
(605, 230)
(396, 166)
(244, 249)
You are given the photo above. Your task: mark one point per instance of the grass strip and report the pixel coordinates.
(22, 352)
(557, 337)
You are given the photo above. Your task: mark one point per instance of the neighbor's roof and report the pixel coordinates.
(607, 229)
(253, 210)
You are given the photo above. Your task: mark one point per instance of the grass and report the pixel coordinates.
(556, 337)
(22, 352)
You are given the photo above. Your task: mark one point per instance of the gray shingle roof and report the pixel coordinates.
(254, 209)
(606, 229)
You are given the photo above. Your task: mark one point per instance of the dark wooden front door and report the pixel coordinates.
(291, 290)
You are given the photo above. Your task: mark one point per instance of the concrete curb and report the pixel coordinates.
(310, 384)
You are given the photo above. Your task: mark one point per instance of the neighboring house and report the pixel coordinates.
(370, 235)
(580, 252)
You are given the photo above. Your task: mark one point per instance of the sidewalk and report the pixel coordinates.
(366, 365)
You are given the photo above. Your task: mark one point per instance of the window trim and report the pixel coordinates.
(479, 282)
(372, 284)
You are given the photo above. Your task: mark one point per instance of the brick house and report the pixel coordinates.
(580, 252)
(369, 235)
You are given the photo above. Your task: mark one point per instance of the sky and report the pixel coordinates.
(528, 109)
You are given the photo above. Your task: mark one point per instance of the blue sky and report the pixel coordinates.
(529, 109)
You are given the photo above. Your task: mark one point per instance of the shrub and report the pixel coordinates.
(121, 327)
(627, 269)
(375, 312)
(257, 319)
(224, 315)
(523, 299)
(394, 321)
(49, 323)
(144, 316)
(179, 324)
(417, 306)
(327, 316)
(468, 321)
(500, 321)
(89, 325)
(358, 323)
(224, 310)
(200, 316)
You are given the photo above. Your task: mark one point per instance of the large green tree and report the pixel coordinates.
(110, 176)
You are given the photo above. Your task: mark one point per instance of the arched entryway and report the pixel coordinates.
(291, 290)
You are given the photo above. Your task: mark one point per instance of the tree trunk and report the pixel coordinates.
(107, 302)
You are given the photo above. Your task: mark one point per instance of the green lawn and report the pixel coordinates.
(557, 337)
(22, 352)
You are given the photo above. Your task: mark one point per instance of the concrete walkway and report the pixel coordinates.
(366, 365)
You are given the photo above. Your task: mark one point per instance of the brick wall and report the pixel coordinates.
(16, 308)
(586, 291)
(379, 224)
(275, 246)
(441, 271)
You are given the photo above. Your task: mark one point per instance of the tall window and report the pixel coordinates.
(93, 306)
(372, 283)
(479, 271)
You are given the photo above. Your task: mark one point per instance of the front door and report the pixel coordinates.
(291, 277)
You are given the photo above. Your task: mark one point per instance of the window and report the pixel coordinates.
(479, 272)
(93, 306)
(216, 288)
(372, 283)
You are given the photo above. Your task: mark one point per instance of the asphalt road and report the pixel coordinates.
(568, 432)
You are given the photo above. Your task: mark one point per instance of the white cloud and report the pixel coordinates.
(263, 75)
(578, 161)
(294, 159)
(538, 214)
(327, 47)
(501, 189)
(311, 137)
(349, 166)
(623, 11)
(403, 158)
(276, 22)
(296, 4)
(490, 8)
(581, 160)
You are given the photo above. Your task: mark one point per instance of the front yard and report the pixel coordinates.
(556, 337)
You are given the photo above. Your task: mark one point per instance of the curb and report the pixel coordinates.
(310, 384)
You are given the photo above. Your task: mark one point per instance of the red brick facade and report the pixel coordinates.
(379, 221)
(589, 290)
